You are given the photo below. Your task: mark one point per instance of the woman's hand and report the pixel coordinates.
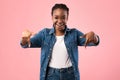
(90, 37)
(26, 37)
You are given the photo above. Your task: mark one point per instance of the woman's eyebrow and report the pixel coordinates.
(58, 15)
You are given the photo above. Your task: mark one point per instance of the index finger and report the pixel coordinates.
(86, 42)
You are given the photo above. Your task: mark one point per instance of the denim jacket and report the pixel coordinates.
(46, 39)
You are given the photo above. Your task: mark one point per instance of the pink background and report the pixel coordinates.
(95, 63)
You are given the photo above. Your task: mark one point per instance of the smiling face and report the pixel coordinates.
(59, 18)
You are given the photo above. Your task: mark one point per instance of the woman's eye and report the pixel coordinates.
(63, 17)
(56, 17)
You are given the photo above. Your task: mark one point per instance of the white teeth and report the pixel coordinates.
(61, 25)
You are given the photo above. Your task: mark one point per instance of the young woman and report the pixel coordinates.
(59, 46)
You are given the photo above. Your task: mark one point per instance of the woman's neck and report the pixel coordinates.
(59, 33)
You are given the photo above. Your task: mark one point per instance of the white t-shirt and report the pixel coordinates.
(60, 58)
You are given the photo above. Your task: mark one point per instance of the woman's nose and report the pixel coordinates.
(60, 21)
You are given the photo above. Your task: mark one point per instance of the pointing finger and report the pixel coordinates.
(86, 42)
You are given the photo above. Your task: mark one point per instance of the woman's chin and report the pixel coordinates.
(61, 29)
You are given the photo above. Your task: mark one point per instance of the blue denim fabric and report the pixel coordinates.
(60, 74)
(46, 39)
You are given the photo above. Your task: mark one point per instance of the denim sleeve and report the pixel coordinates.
(81, 41)
(35, 41)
